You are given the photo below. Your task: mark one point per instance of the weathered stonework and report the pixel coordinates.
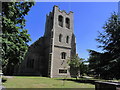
(49, 54)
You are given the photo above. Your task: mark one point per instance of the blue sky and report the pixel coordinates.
(89, 18)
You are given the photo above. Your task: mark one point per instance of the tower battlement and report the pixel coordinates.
(62, 11)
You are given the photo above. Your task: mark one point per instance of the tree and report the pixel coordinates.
(109, 60)
(14, 35)
(111, 44)
(75, 64)
(98, 62)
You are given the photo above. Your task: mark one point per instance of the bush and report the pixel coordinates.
(4, 79)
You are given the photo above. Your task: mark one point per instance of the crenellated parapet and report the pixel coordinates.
(62, 11)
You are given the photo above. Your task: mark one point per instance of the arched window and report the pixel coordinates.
(67, 23)
(63, 55)
(30, 63)
(60, 38)
(67, 39)
(60, 20)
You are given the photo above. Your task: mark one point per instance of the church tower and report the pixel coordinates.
(60, 40)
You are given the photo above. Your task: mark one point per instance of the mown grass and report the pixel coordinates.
(43, 82)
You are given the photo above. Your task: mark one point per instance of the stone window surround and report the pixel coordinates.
(63, 56)
(60, 20)
(67, 23)
(62, 69)
(63, 22)
(67, 39)
(60, 37)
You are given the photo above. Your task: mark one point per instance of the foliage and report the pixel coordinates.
(98, 62)
(14, 35)
(107, 64)
(77, 66)
(4, 79)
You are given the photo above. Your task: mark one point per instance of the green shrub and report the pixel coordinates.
(4, 79)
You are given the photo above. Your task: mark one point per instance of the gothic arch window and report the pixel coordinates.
(67, 21)
(67, 39)
(60, 38)
(30, 63)
(63, 55)
(60, 20)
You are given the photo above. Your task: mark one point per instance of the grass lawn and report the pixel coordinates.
(43, 82)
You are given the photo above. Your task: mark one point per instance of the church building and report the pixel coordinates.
(48, 55)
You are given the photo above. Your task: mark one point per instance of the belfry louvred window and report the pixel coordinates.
(60, 20)
(67, 21)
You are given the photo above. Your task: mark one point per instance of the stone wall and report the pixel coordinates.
(36, 53)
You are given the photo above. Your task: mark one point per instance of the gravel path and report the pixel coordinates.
(2, 87)
(8, 76)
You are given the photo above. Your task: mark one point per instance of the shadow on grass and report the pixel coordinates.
(80, 81)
